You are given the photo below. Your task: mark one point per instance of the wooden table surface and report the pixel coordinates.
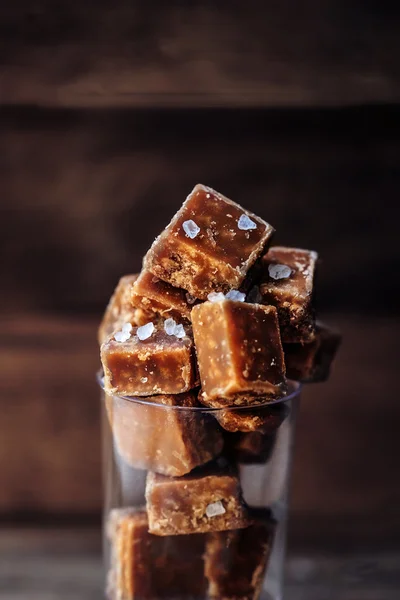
(54, 564)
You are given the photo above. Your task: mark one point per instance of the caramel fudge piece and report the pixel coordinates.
(265, 419)
(162, 438)
(148, 361)
(239, 352)
(209, 245)
(144, 566)
(208, 499)
(153, 295)
(119, 309)
(311, 362)
(235, 561)
(251, 448)
(287, 283)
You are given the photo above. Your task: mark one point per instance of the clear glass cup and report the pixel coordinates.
(238, 499)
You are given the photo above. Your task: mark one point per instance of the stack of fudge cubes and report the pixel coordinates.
(216, 319)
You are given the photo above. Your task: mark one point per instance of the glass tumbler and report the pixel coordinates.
(195, 499)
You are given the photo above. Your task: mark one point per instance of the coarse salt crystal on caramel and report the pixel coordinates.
(215, 508)
(145, 331)
(246, 224)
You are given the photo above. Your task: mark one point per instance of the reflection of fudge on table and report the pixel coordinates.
(208, 499)
(239, 352)
(119, 309)
(311, 362)
(144, 566)
(209, 245)
(163, 438)
(288, 283)
(147, 361)
(236, 561)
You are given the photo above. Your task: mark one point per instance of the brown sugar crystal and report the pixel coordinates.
(311, 362)
(144, 566)
(208, 499)
(264, 419)
(155, 296)
(161, 437)
(209, 245)
(119, 309)
(235, 561)
(148, 361)
(239, 353)
(288, 283)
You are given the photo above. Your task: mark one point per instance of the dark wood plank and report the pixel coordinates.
(50, 427)
(44, 565)
(199, 53)
(85, 193)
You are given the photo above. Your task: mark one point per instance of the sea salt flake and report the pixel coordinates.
(279, 271)
(145, 331)
(126, 327)
(144, 379)
(215, 509)
(246, 223)
(191, 228)
(122, 336)
(235, 295)
(216, 297)
(179, 331)
(169, 326)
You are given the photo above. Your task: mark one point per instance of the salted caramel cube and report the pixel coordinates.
(208, 499)
(311, 362)
(253, 447)
(209, 245)
(144, 566)
(158, 435)
(288, 283)
(239, 352)
(155, 296)
(235, 561)
(264, 419)
(119, 310)
(148, 361)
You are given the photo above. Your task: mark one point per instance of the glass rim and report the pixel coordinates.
(294, 391)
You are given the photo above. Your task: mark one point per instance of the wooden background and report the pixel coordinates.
(108, 118)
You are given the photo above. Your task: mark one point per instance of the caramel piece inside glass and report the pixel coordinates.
(264, 419)
(163, 438)
(153, 295)
(159, 364)
(209, 245)
(236, 561)
(311, 362)
(144, 566)
(288, 283)
(208, 499)
(239, 353)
